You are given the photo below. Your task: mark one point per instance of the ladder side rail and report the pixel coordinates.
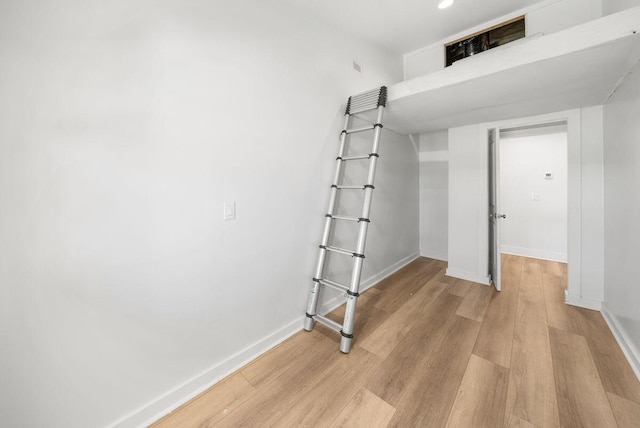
(322, 255)
(354, 286)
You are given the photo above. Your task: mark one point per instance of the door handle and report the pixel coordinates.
(501, 215)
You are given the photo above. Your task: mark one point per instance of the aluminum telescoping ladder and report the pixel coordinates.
(372, 100)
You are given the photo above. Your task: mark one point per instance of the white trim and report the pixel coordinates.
(628, 349)
(332, 304)
(435, 256)
(534, 253)
(581, 302)
(163, 405)
(573, 119)
(469, 276)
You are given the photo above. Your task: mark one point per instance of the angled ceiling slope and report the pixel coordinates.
(577, 67)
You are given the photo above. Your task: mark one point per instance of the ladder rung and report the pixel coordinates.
(333, 284)
(342, 251)
(367, 101)
(362, 110)
(350, 187)
(342, 217)
(348, 158)
(353, 131)
(327, 322)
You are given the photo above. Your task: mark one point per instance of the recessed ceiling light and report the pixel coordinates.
(444, 4)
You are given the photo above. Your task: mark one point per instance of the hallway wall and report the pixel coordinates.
(536, 207)
(621, 213)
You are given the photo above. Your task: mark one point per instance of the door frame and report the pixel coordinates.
(574, 190)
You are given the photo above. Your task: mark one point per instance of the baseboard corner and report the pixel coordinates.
(628, 349)
(468, 276)
(582, 302)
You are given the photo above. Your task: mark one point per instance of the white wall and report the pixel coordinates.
(124, 126)
(613, 6)
(534, 226)
(467, 248)
(468, 208)
(621, 213)
(545, 17)
(434, 199)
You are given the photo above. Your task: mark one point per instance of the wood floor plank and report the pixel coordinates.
(511, 272)
(392, 380)
(210, 406)
(365, 410)
(418, 364)
(559, 314)
(475, 302)
(515, 422)
(552, 267)
(615, 372)
(582, 401)
(495, 339)
(531, 282)
(408, 270)
(394, 297)
(532, 394)
(459, 287)
(482, 395)
(627, 412)
(445, 279)
(279, 394)
(281, 358)
(383, 340)
(435, 383)
(330, 394)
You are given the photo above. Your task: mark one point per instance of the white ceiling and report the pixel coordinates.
(406, 25)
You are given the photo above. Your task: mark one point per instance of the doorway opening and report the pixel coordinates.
(528, 195)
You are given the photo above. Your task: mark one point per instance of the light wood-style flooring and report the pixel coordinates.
(434, 351)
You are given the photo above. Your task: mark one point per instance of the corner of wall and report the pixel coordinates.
(630, 351)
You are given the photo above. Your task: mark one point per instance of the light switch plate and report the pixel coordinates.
(229, 209)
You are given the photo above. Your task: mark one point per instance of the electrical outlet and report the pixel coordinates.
(536, 197)
(229, 209)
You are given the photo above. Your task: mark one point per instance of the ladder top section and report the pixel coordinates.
(366, 101)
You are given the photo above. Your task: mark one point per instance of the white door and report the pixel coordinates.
(495, 262)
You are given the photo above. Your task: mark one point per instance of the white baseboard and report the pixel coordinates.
(332, 304)
(533, 253)
(468, 276)
(581, 302)
(435, 256)
(629, 350)
(173, 399)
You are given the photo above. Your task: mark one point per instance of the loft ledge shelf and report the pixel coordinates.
(573, 68)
